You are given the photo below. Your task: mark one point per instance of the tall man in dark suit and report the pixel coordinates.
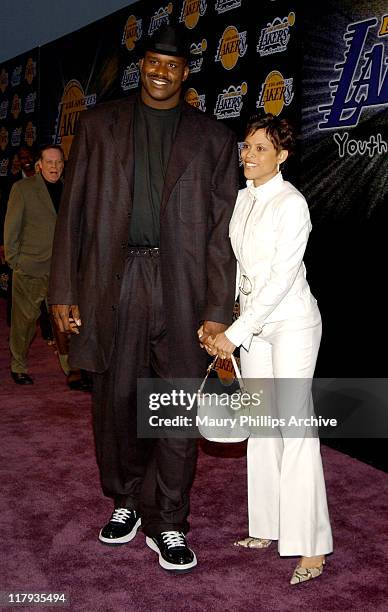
(141, 257)
(28, 238)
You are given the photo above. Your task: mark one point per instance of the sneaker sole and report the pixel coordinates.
(124, 539)
(172, 567)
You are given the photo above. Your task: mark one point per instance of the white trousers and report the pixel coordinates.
(286, 487)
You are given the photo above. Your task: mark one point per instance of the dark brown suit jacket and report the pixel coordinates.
(198, 266)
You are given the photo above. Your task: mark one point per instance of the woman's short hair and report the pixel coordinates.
(279, 131)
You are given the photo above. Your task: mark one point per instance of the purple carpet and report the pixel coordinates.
(51, 510)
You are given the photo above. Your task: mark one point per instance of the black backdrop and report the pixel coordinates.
(19, 99)
(228, 72)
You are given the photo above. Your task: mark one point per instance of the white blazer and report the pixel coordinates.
(269, 230)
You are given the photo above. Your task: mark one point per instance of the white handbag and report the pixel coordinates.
(220, 413)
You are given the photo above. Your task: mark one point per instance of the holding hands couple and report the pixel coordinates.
(123, 251)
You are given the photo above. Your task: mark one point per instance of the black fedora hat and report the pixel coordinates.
(167, 41)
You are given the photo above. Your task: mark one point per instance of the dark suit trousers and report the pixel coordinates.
(151, 476)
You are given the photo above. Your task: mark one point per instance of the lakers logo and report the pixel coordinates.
(226, 5)
(196, 52)
(3, 138)
(4, 163)
(30, 134)
(275, 37)
(161, 16)
(16, 106)
(29, 104)
(192, 10)
(276, 91)
(360, 80)
(231, 46)
(30, 71)
(16, 137)
(4, 109)
(16, 76)
(195, 99)
(130, 78)
(230, 101)
(132, 32)
(3, 80)
(73, 102)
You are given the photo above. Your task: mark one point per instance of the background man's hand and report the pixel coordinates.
(67, 318)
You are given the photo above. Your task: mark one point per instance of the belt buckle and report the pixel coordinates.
(245, 285)
(143, 250)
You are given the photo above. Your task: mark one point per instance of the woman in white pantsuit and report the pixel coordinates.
(279, 331)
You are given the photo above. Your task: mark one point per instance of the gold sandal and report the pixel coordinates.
(253, 543)
(302, 574)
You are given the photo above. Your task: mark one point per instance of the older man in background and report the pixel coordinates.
(28, 238)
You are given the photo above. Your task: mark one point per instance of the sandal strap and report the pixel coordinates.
(251, 542)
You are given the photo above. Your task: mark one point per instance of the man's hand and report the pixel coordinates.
(211, 328)
(207, 333)
(66, 318)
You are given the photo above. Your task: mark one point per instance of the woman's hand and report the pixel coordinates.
(220, 345)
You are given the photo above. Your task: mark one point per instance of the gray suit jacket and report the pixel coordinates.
(29, 227)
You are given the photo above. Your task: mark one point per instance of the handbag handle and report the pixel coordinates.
(209, 369)
(236, 371)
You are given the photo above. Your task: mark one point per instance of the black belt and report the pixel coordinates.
(143, 250)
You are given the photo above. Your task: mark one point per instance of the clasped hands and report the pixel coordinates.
(213, 339)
